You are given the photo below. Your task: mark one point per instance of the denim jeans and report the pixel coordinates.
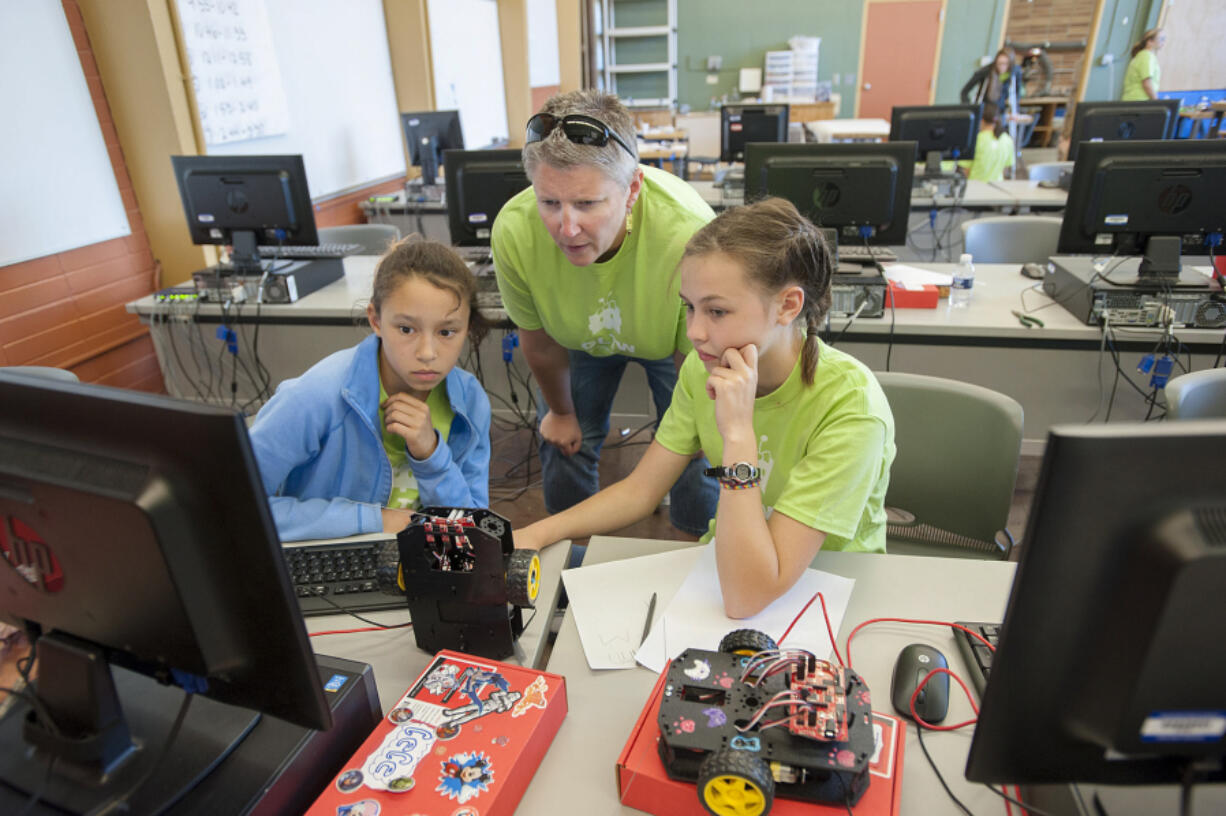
(569, 480)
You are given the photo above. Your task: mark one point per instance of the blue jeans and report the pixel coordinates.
(569, 480)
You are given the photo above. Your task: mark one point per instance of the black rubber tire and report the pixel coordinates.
(735, 782)
(523, 578)
(746, 642)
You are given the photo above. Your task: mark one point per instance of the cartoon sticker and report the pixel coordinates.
(715, 717)
(701, 670)
(400, 714)
(534, 697)
(366, 807)
(398, 756)
(465, 775)
(349, 781)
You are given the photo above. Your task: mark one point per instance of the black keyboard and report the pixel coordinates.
(310, 253)
(978, 658)
(355, 576)
(854, 253)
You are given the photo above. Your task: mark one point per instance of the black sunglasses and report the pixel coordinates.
(580, 129)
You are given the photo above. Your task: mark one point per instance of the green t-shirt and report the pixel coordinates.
(404, 484)
(825, 450)
(626, 305)
(992, 156)
(1142, 67)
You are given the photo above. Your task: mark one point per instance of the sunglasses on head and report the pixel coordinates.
(580, 129)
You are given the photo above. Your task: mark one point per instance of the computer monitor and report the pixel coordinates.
(862, 190)
(137, 543)
(1110, 667)
(246, 201)
(1117, 121)
(740, 125)
(428, 134)
(1156, 199)
(479, 182)
(939, 132)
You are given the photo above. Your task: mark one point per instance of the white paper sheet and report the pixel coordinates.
(695, 617)
(610, 601)
(912, 277)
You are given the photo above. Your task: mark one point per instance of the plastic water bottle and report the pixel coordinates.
(964, 279)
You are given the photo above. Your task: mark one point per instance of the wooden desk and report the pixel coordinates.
(810, 111)
(1044, 129)
(603, 705)
(393, 654)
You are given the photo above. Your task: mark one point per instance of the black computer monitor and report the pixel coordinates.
(246, 201)
(740, 125)
(1118, 121)
(137, 543)
(862, 190)
(1155, 199)
(939, 131)
(1110, 667)
(479, 182)
(428, 134)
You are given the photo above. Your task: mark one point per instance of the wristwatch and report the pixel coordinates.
(738, 476)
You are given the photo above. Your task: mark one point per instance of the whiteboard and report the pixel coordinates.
(466, 47)
(59, 190)
(340, 98)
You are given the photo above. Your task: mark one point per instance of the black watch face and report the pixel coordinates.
(742, 471)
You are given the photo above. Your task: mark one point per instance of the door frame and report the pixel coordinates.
(936, 57)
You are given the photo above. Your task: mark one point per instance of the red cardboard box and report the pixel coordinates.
(643, 784)
(465, 738)
(904, 298)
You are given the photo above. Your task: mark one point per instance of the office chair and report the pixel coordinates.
(1049, 171)
(1011, 238)
(1197, 395)
(43, 371)
(374, 238)
(951, 484)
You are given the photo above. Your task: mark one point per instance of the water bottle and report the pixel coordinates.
(964, 279)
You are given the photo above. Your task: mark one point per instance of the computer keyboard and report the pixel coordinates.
(855, 253)
(355, 576)
(978, 658)
(310, 253)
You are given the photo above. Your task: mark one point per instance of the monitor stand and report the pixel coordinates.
(269, 765)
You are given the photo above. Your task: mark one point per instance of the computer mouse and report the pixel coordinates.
(914, 663)
(1034, 271)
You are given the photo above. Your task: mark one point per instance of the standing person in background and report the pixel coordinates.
(585, 260)
(1141, 77)
(993, 149)
(992, 82)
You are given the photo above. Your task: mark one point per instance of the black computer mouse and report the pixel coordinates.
(1034, 271)
(914, 663)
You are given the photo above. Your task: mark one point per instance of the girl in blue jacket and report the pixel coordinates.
(371, 432)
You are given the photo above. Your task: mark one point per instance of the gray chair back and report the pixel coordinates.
(1011, 238)
(951, 484)
(1197, 395)
(1049, 171)
(44, 371)
(374, 238)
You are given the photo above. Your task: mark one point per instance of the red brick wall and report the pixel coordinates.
(1039, 21)
(67, 310)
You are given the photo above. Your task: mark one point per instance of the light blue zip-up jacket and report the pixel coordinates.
(319, 446)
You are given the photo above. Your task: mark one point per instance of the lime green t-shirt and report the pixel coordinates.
(404, 485)
(992, 156)
(626, 305)
(825, 450)
(1142, 67)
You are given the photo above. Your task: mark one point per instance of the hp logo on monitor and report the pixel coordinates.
(826, 194)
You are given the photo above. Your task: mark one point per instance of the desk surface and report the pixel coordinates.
(579, 767)
(393, 653)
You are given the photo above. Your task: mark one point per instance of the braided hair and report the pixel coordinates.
(777, 247)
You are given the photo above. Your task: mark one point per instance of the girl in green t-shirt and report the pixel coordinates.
(1141, 76)
(802, 432)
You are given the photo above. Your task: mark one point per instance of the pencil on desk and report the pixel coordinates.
(651, 610)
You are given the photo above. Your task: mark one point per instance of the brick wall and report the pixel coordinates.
(1040, 21)
(67, 310)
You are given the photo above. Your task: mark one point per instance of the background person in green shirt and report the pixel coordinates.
(802, 431)
(585, 260)
(1141, 77)
(993, 148)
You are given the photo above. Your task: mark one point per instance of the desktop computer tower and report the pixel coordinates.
(1074, 283)
(291, 281)
(862, 290)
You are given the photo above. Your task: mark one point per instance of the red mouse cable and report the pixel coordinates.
(360, 629)
(834, 644)
(971, 632)
(924, 723)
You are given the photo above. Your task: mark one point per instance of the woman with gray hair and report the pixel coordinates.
(585, 260)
